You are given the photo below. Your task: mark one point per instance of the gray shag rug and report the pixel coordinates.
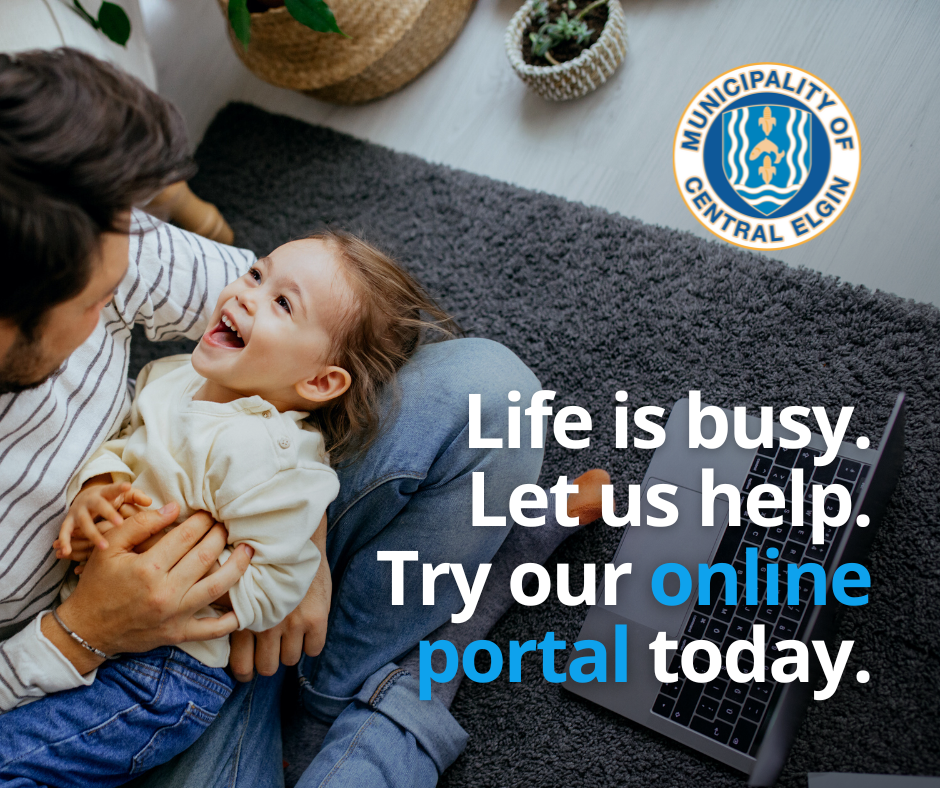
(593, 303)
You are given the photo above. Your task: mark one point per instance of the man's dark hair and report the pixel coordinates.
(80, 144)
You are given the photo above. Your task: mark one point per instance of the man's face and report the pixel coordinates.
(26, 362)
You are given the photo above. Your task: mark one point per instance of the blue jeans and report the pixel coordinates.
(411, 491)
(139, 712)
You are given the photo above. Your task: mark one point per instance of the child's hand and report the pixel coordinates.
(81, 547)
(98, 501)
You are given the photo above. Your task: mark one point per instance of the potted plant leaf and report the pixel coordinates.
(344, 51)
(564, 49)
(111, 20)
(315, 14)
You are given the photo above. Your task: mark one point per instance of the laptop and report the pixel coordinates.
(751, 726)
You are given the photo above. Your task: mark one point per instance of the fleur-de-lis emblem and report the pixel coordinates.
(767, 171)
(767, 121)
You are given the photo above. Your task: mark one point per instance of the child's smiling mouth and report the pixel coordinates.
(224, 335)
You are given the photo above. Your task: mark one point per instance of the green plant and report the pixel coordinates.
(112, 21)
(551, 33)
(315, 14)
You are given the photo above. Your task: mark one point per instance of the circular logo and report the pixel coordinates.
(767, 156)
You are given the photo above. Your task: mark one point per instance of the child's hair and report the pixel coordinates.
(391, 316)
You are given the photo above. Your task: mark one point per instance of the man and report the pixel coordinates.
(80, 146)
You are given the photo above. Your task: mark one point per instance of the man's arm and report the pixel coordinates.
(175, 278)
(126, 603)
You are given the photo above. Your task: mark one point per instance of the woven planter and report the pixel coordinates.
(574, 78)
(389, 44)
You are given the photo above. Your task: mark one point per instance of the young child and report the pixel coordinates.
(314, 329)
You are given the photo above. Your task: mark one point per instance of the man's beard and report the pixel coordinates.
(23, 366)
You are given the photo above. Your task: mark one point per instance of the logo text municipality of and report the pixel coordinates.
(767, 156)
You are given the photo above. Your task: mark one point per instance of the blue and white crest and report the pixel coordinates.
(767, 153)
(766, 156)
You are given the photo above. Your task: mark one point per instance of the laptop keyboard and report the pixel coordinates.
(736, 714)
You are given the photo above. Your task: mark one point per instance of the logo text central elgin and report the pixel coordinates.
(767, 156)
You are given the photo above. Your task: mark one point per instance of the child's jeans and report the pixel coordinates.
(140, 711)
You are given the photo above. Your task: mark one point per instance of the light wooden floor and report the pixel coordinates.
(613, 148)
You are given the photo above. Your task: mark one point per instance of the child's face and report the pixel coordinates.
(270, 331)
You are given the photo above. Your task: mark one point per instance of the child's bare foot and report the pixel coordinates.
(585, 504)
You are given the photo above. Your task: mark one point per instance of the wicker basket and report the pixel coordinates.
(574, 78)
(389, 44)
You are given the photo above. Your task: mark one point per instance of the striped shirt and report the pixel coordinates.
(47, 434)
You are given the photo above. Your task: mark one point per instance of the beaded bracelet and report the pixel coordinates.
(78, 638)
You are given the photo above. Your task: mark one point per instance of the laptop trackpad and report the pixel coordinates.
(684, 542)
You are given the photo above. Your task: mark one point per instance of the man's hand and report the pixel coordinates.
(303, 631)
(129, 602)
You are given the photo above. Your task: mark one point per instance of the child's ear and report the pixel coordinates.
(329, 384)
